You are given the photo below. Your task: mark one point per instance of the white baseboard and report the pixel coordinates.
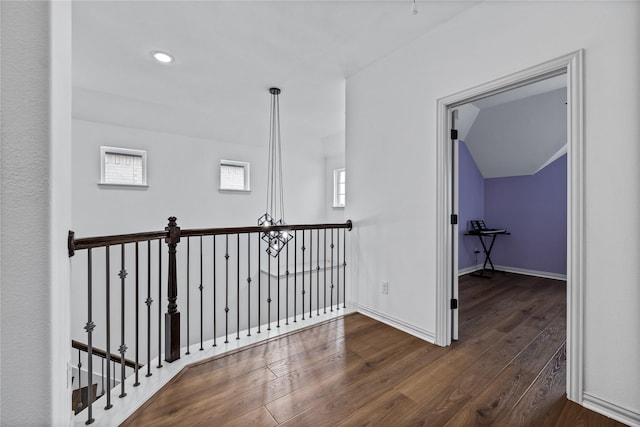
(516, 270)
(611, 410)
(469, 270)
(409, 328)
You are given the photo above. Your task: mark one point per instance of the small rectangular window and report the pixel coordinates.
(234, 176)
(339, 188)
(123, 166)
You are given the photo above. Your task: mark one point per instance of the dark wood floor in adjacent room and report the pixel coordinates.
(508, 369)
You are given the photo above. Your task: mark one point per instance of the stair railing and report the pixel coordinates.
(316, 255)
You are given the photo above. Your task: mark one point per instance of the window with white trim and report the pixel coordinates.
(123, 166)
(234, 176)
(339, 188)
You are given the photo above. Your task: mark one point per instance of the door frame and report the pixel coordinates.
(572, 65)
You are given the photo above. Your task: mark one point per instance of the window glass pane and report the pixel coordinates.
(122, 168)
(232, 177)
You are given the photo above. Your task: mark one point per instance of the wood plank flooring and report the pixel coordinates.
(507, 369)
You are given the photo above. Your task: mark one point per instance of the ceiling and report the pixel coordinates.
(227, 55)
(517, 132)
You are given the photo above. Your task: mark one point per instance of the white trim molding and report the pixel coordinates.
(572, 65)
(611, 410)
(394, 322)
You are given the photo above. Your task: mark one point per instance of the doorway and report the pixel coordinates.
(448, 227)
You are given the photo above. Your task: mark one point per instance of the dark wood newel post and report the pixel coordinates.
(172, 316)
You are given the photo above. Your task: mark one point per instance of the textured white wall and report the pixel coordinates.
(34, 213)
(394, 234)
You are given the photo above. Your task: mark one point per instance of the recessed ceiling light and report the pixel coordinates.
(163, 57)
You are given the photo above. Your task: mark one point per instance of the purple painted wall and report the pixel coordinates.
(534, 209)
(470, 206)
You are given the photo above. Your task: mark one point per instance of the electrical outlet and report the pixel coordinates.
(385, 288)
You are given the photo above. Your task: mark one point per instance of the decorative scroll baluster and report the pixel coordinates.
(286, 291)
(303, 290)
(325, 270)
(226, 292)
(215, 305)
(136, 369)
(201, 287)
(295, 276)
(344, 268)
(338, 270)
(89, 327)
(310, 273)
(160, 304)
(148, 302)
(249, 284)
(331, 275)
(238, 286)
(108, 311)
(123, 348)
(172, 316)
(188, 286)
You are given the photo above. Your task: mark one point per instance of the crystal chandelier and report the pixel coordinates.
(274, 215)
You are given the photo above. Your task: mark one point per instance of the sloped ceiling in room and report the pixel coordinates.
(227, 55)
(517, 132)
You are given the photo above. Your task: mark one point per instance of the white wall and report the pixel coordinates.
(333, 149)
(35, 213)
(394, 234)
(183, 177)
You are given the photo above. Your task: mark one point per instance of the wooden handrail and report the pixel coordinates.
(101, 353)
(95, 242)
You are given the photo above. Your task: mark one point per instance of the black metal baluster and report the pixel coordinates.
(344, 269)
(123, 348)
(89, 328)
(249, 284)
(79, 365)
(188, 283)
(331, 275)
(108, 309)
(286, 288)
(114, 372)
(317, 272)
(310, 273)
(278, 305)
(226, 292)
(201, 287)
(268, 289)
(215, 324)
(137, 382)
(238, 286)
(148, 302)
(102, 373)
(325, 271)
(259, 280)
(159, 304)
(303, 291)
(295, 276)
(338, 270)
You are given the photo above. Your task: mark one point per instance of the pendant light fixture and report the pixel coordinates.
(274, 214)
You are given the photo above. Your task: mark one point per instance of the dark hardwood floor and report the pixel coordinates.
(507, 369)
